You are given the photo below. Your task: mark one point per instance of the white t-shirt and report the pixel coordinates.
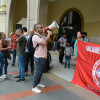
(63, 40)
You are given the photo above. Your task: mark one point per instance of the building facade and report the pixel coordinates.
(71, 15)
(2, 15)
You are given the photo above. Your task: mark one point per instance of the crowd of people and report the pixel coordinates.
(32, 47)
(19, 45)
(68, 48)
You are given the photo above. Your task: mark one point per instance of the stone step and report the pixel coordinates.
(54, 52)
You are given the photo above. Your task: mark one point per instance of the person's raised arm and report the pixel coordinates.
(48, 39)
(48, 36)
(14, 40)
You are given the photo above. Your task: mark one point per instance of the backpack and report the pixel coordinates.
(48, 64)
(30, 45)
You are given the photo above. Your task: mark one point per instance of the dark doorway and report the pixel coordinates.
(71, 24)
(18, 26)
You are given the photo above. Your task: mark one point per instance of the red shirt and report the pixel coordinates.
(14, 45)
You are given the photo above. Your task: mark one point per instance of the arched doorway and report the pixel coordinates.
(20, 16)
(26, 9)
(71, 22)
(16, 14)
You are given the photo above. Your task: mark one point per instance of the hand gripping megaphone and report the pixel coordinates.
(52, 26)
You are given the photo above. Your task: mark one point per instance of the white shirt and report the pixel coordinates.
(63, 40)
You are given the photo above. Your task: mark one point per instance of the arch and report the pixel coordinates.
(10, 10)
(76, 10)
(9, 23)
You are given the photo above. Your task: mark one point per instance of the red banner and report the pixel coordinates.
(87, 72)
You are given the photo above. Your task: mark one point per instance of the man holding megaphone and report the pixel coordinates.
(40, 55)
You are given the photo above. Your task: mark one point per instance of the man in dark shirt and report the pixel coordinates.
(21, 44)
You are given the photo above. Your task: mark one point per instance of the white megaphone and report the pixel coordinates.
(52, 26)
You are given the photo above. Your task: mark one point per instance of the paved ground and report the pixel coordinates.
(56, 88)
(59, 70)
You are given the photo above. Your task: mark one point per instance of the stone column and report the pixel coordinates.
(28, 15)
(4, 5)
(2, 16)
(43, 10)
(2, 21)
(34, 12)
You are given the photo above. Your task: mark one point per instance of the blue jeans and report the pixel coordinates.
(39, 67)
(55, 45)
(14, 56)
(67, 58)
(5, 65)
(2, 58)
(21, 63)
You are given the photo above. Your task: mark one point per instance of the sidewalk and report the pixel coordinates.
(11, 90)
(56, 87)
(59, 70)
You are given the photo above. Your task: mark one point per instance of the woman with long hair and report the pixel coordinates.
(3, 47)
(79, 37)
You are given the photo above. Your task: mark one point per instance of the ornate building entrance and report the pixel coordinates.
(71, 23)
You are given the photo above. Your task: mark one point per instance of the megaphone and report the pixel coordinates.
(52, 26)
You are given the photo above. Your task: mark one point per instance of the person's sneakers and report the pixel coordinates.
(41, 85)
(13, 65)
(68, 66)
(56, 50)
(20, 80)
(26, 74)
(2, 77)
(36, 90)
(32, 73)
(65, 66)
(5, 76)
(62, 62)
(17, 76)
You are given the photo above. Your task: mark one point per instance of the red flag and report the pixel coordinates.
(87, 72)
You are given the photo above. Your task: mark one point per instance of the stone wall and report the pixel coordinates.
(89, 9)
(43, 11)
(33, 12)
(36, 13)
(2, 21)
(2, 16)
(23, 21)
